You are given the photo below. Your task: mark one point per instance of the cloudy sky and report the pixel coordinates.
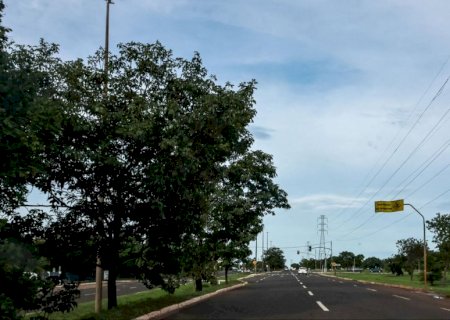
(352, 98)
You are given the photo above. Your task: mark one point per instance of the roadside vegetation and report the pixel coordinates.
(148, 167)
(135, 305)
(392, 279)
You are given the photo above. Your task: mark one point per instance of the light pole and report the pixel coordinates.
(424, 246)
(398, 205)
(98, 268)
(98, 274)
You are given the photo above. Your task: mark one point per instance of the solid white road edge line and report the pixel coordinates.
(404, 298)
(320, 304)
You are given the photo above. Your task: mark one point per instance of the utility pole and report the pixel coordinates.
(322, 225)
(256, 253)
(267, 240)
(98, 268)
(262, 253)
(424, 246)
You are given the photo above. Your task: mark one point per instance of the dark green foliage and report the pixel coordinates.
(440, 226)
(411, 251)
(22, 284)
(274, 259)
(372, 263)
(346, 259)
(69, 242)
(157, 169)
(28, 119)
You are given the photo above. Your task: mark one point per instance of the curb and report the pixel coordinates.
(175, 307)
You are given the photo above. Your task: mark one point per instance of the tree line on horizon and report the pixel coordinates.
(408, 258)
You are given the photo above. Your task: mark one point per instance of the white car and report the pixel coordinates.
(302, 270)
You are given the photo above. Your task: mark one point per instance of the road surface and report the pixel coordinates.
(287, 295)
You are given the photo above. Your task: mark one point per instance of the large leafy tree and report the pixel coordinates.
(440, 226)
(29, 122)
(372, 263)
(346, 259)
(245, 193)
(28, 118)
(411, 250)
(274, 258)
(142, 160)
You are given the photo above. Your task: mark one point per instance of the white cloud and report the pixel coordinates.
(337, 80)
(320, 202)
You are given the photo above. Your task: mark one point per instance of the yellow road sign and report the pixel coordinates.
(389, 206)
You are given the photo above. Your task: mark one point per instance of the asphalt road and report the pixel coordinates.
(287, 295)
(124, 287)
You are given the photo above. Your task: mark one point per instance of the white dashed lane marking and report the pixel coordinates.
(400, 297)
(310, 293)
(320, 304)
(370, 289)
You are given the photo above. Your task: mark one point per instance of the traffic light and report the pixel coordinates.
(309, 248)
(298, 252)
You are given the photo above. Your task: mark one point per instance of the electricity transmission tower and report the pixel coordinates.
(322, 228)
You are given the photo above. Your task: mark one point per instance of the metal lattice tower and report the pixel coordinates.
(322, 225)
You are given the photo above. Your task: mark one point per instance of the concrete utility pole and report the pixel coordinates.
(256, 253)
(262, 251)
(98, 268)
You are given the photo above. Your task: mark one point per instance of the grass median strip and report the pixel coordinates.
(137, 304)
(402, 281)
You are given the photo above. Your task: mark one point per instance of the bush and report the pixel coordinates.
(433, 276)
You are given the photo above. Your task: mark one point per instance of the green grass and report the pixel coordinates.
(135, 305)
(405, 280)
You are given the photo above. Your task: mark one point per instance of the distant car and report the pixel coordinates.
(302, 270)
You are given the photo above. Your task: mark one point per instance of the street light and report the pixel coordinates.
(424, 245)
(98, 268)
(398, 205)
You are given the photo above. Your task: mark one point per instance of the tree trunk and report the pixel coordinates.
(198, 284)
(226, 273)
(112, 289)
(446, 270)
(113, 262)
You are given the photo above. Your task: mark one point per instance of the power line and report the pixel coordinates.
(427, 136)
(426, 164)
(437, 94)
(398, 133)
(424, 205)
(378, 230)
(428, 181)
